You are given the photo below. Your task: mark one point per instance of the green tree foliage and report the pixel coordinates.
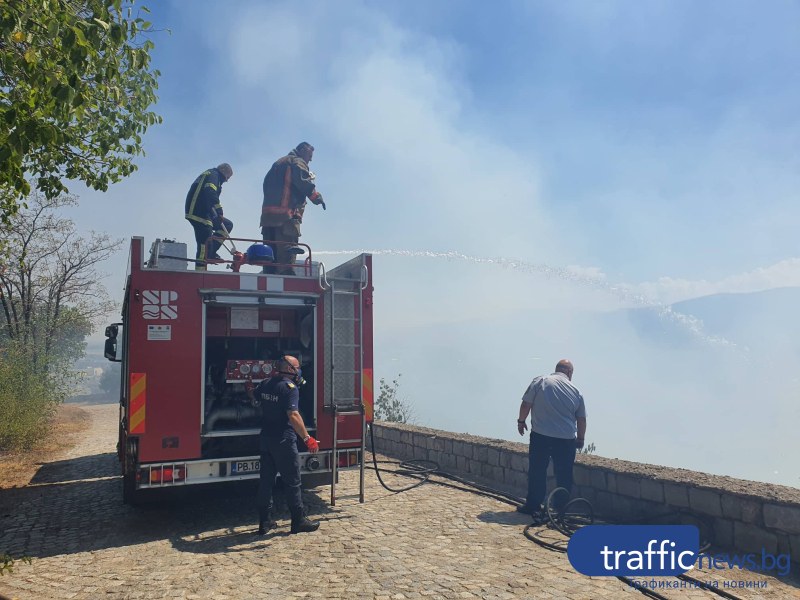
(590, 449)
(7, 563)
(75, 87)
(389, 406)
(28, 396)
(49, 298)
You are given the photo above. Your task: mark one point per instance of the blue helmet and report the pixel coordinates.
(260, 253)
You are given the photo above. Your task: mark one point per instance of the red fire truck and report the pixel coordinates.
(190, 340)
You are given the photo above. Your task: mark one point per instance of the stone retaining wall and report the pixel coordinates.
(734, 514)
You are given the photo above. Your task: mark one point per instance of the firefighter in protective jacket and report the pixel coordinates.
(286, 186)
(204, 211)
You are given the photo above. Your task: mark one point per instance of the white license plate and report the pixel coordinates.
(239, 467)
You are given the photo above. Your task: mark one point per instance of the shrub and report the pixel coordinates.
(28, 397)
(390, 407)
(7, 562)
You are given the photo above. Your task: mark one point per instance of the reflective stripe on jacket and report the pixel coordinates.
(286, 186)
(202, 201)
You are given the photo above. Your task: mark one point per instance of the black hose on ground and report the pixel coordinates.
(563, 521)
(416, 469)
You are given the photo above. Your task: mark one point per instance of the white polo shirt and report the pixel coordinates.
(556, 406)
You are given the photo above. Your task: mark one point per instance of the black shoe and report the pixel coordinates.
(539, 518)
(525, 509)
(265, 523)
(301, 524)
(265, 526)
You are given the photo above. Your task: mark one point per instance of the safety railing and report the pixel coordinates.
(238, 258)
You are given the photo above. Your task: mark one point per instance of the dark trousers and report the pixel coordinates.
(542, 448)
(279, 455)
(289, 232)
(201, 234)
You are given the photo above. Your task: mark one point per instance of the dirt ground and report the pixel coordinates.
(18, 468)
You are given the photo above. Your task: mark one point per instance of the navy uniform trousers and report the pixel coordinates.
(279, 455)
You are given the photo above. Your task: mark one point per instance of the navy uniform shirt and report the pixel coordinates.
(277, 396)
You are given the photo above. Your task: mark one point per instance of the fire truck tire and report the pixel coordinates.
(130, 495)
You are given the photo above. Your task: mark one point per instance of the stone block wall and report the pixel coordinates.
(732, 514)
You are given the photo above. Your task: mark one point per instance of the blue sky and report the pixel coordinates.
(652, 147)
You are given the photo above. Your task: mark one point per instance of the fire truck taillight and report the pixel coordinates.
(166, 476)
(173, 474)
(155, 475)
(163, 474)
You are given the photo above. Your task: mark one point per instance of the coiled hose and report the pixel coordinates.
(565, 520)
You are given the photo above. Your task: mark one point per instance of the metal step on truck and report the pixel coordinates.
(189, 341)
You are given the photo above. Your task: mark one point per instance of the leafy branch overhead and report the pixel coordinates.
(75, 87)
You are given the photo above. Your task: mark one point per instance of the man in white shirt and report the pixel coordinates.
(558, 427)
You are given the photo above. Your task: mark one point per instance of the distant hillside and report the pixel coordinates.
(95, 398)
(762, 321)
(656, 390)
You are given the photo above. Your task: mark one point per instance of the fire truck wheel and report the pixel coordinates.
(129, 489)
(129, 493)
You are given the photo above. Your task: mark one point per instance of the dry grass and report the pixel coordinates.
(17, 468)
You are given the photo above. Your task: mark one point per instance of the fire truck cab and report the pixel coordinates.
(189, 341)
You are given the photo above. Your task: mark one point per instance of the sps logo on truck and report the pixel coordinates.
(158, 304)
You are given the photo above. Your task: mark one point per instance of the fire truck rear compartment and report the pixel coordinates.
(241, 344)
(185, 335)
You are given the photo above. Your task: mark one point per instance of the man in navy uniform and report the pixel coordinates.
(281, 425)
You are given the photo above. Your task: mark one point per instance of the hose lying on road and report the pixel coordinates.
(566, 521)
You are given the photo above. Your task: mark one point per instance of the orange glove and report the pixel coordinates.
(312, 445)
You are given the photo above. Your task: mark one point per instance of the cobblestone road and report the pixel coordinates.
(431, 542)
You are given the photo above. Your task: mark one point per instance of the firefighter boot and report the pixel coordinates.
(300, 524)
(265, 523)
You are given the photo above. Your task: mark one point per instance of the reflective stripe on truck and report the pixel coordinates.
(138, 400)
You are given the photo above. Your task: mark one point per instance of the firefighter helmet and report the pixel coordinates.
(260, 253)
